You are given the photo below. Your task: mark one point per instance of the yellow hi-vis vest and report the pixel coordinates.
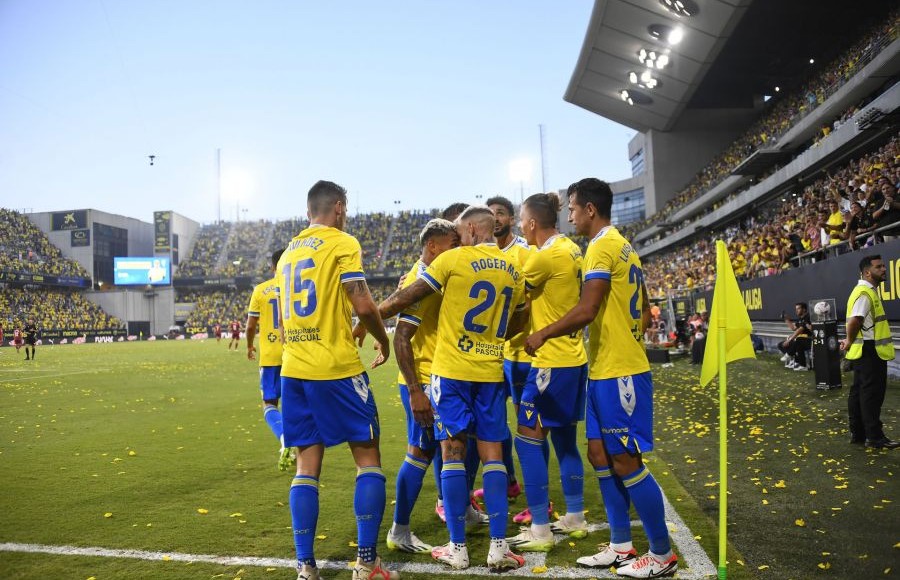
(884, 344)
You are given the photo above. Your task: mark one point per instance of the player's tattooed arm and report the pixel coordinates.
(401, 299)
(367, 311)
(418, 400)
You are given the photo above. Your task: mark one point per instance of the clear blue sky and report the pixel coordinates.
(423, 102)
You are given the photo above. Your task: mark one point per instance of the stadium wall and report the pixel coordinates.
(154, 307)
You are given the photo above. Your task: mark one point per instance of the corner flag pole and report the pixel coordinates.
(721, 323)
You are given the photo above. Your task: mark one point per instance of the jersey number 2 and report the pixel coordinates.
(486, 288)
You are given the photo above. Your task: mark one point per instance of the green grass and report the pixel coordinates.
(151, 433)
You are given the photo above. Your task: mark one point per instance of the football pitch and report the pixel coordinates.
(152, 460)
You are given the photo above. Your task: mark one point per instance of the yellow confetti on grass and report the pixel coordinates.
(107, 515)
(762, 567)
(539, 569)
(132, 453)
(321, 537)
(167, 558)
(780, 484)
(800, 523)
(824, 565)
(202, 511)
(236, 515)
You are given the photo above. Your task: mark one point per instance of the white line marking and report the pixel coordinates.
(65, 374)
(693, 562)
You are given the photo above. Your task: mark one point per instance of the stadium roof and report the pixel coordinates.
(732, 52)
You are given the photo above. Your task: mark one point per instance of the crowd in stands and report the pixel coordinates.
(205, 252)
(217, 307)
(844, 208)
(26, 249)
(245, 248)
(784, 113)
(404, 249)
(53, 309)
(371, 229)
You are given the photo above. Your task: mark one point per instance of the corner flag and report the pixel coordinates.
(729, 317)
(728, 339)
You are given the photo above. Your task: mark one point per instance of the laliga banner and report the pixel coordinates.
(765, 298)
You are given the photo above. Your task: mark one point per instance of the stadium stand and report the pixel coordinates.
(53, 309)
(217, 306)
(206, 251)
(784, 113)
(25, 248)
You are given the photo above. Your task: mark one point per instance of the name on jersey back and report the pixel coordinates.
(495, 264)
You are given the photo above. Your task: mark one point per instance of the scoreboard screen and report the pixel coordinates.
(142, 271)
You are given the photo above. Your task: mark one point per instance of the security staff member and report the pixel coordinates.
(870, 347)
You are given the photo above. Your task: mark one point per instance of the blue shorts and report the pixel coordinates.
(515, 374)
(270, 382)
(329, 412)
(467, 407)
(417, 435)
(553, 397)
(620, 412)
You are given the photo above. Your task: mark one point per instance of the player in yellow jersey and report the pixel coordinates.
(552, 400)
(327, 400)
(481, 288)
(619, 427)
(516, 362)
(414, 342)
(263, 315)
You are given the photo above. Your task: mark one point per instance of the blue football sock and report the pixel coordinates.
(536, 476)
(472, 462)
(368, 503)
(273, 417)
(647, 499)
(438, 464)
(304, 502)
(409, 484)
(545, 449)
(616, 501)
(508, 457)
(454, 482)
(571, 469)
(494, 477)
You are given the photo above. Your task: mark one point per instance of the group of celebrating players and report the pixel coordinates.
(483, 315)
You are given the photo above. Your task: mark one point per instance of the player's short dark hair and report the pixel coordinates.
(500, 200)
(801, 305)
(453, 210)
(276, 255)
(592, 191)
(323, 195)
(866, 262)
(544, 207)
(477, 213)
(436, 228)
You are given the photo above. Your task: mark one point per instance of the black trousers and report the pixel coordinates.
(797, 349)
(867, 394)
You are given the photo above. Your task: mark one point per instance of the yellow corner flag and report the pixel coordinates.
(728, 316)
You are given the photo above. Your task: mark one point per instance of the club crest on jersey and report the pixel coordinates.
(361, 388)
(271, 337)
(627, 397)
(542, 380)
(465, 343)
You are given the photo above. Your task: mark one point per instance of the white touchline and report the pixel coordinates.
(693, 563)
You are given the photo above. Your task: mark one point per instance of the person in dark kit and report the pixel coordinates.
(794, 347)
(30, 332)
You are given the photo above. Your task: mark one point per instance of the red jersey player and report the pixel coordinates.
(235, 335)
(17, 338)
(217, 330)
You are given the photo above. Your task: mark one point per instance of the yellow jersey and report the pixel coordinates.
(423, 314)
(481, 287)
(553, 279)
(514, 349)
(315, 309)
(616, 345)
(264, 307)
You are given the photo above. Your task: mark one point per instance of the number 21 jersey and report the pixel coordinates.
(482, 287)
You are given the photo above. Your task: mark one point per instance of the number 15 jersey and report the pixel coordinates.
(315, 309)
(481, 287)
